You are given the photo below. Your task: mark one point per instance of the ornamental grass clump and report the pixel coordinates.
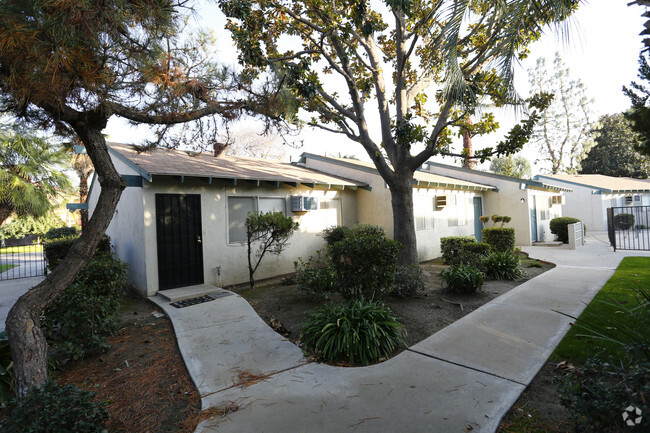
(359, 332)
(462, 278)
(502, 265)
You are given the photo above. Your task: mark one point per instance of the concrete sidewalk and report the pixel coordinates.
(466, 375)
(10, 291)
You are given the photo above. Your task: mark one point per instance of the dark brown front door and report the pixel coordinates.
(178, 233)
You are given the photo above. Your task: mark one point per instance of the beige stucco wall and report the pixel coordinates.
(126, 229)
(510, 200)
(428, 240)
(232, 257)
(374, 207)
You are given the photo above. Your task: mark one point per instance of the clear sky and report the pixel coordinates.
(602, 50)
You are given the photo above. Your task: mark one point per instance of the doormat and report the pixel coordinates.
(199, 300)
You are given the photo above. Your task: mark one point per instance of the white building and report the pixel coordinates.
(593, 193)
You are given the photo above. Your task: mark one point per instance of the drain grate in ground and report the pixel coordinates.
(199, 300)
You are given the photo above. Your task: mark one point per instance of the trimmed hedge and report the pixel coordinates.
(56, 249)
(364, 261)
(500, 238)
(559, 227)
(452, 246)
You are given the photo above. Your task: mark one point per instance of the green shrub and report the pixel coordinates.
(408, 280)
(29, 225)
(266, 233)
(335, 234)
(60, 232)
(597, 396)
(56, 249)
(461, 278)
(624, 221)
(6, 371)
(502, 265)
(87, 312)
(451, 247)
(473, 253)
(56, 409)
(364, 262)
(500, 238)
(359, 332)
(315, 276)
(559, 227)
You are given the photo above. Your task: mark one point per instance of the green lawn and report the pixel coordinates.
(25, 249)
(6, 267)
(607, 315)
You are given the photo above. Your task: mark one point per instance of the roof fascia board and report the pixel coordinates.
(550, 179)
(305, 156)
(144, 173)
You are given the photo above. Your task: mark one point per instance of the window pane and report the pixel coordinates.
(238, 209)
(272, 204)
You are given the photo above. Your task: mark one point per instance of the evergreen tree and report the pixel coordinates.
(71, 66)
(614, 152)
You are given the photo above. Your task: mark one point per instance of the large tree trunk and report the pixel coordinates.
(401, 191)
(28, 345)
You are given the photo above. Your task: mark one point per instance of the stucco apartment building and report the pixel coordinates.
(181, 220)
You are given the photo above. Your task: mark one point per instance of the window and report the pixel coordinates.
(457, 211)
(239, 207)
(423, 206)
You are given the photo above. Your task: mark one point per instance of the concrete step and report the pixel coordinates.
(189, 292)
(547, 244)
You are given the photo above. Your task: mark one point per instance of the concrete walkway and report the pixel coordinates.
(10, 291)
(463, 378)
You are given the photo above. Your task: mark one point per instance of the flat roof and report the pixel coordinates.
(167, 162)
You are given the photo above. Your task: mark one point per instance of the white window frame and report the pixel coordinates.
(256, 206)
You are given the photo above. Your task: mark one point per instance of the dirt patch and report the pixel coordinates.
(144, 379)
(423, 314)
(538, 408)
(142, 375)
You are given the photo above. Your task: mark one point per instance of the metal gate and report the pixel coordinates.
(628, 227)
(21, 261)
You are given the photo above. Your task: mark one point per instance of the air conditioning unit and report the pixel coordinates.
(301, 203)
(628, 199)
(445, 200)
(558, 199)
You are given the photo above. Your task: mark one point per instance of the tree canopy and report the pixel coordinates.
(614, 152)
(515, 166)
(562, 135)
(639, 114)
(72, 65)
(395, 76)
(31, 174)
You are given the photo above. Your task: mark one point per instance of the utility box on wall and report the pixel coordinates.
(303, 203)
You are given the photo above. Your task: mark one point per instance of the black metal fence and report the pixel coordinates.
(628, 227)
(21, 261)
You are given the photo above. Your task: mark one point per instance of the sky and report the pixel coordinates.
(602, 51)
